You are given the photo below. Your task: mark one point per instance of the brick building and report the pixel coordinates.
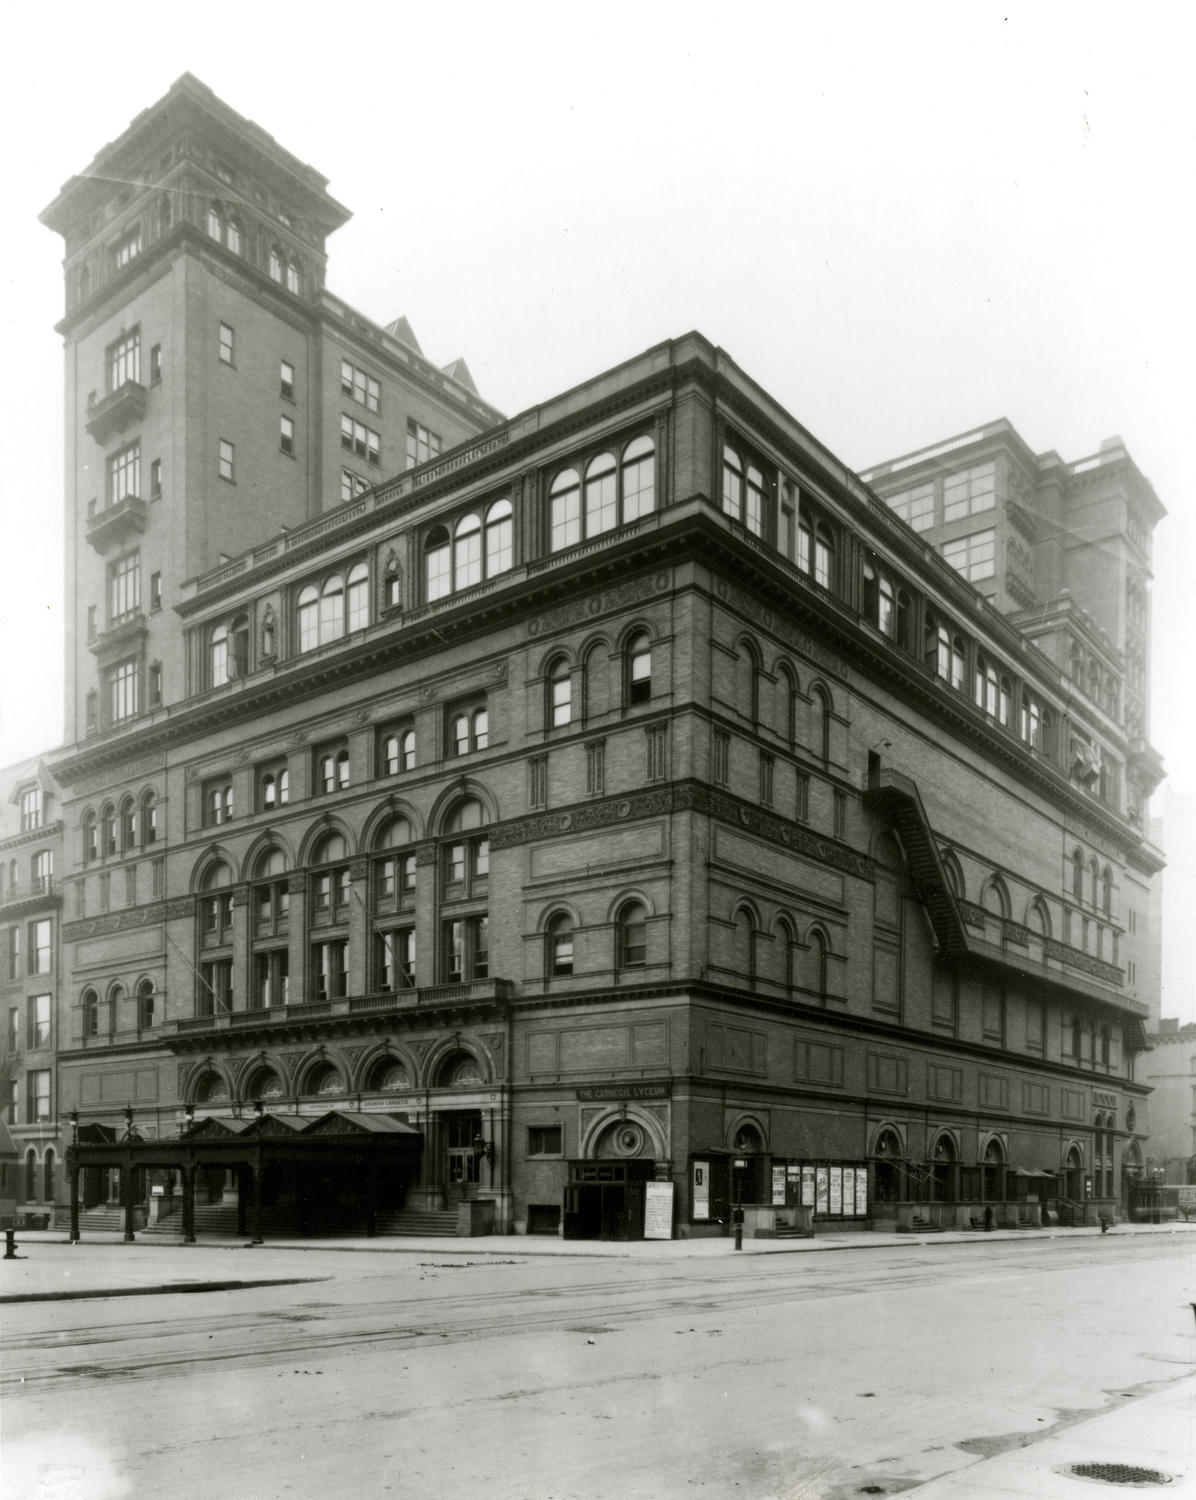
(620, 794)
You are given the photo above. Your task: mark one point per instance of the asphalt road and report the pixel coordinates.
(807, 1377)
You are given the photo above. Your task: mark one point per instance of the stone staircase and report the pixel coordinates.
(419, 1223)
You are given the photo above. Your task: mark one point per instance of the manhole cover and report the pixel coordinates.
(1120, 1474)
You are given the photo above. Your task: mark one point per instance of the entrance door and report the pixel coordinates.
(461, 1163)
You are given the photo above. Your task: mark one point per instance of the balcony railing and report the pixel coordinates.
(115, 522)
(120, 407)
(32, 892)
(478, 991)
(125, 628)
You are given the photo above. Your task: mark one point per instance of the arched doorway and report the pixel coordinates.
(462, 1143)
(1073, 1174)
(605, 1196)
(749, 1182)
(886, 1168)
(993, 1172)
(944, 1170)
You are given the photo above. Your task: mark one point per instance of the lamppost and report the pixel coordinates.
(739, 1166)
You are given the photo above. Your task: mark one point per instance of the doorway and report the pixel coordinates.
(462, 1129)
(604, 1200)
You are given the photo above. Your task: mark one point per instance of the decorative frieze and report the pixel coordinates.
(580, 610)
(1076, 959)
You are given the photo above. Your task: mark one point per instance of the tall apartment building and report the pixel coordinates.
(621, 803)
(30, 977)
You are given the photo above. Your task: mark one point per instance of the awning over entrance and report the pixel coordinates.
(353, 1142)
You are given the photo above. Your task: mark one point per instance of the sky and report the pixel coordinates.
(902, 221)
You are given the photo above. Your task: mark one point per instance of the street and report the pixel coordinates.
(572, 1378)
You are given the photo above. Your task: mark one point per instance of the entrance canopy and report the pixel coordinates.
(348, 1140)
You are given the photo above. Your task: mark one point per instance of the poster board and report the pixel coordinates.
(658, 1210)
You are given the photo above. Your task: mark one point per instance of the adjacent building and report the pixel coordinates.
(507, 824)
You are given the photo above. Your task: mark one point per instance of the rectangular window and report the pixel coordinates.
(271, 979)
(131, 886)
(544, 1140)
(215, 995)
(156, 479)
(394, 959)
(124, 360)
(801, 809)
(1035, 1026)
(537, 781)
(422, 444)
(31, 808)
(361, 387)
(124, 587)
(227, 344)
(359, 439)
(37, 1096)
(766, 777)
(155, 364)
(38, 1032)
(992, 1013)
(40, 934)
(840, 815)
(596, 768)
(128, 249)
(14, 953)
(657, 766)
(352, 485)
(155, 685)
(329, 969)
(915, 506)
(155, 591)
(466, 950)
(286, 435)
(14, 1029)
(974, 556)
(721, 768)
(159, 877)
(970, 492)
(227, 461)
(122, 690)
(105, 890)
(124, 474)
(286, 380)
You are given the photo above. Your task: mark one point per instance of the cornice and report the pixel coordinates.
(32, 836)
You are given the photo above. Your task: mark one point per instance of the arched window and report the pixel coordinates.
(744, 963)
(498, 538)
(565, 510)
(639, 669)
(275, 264)
(359, 597)
(332, 609)
(215, 223)
(1094, 879)
(238, 646)
(639, 479)
(233, 236)
(824, 556)
(145, 1004)
(560, 694)
(91, 837)
(903, 624)
(632, 936)
(149, 818)
(324, 1078)
(1031, 720)
(90, 1007)
(732, 483)
(216, 905)
(332, 771)
(1077, 875)
(128, 824)
(1106, 1046)
(601, 497)
(48, 1176)
(1005, 702)
(1106, 899)
(805, 544)
(292, 277)
(885, 611)
(394, 870)
(108, 830)
(218, 672)
(754, 501)
(820, 707)
(957, 661)
(276, 787)
(818, 967)
(309, 618)
(398, 752)
(558, 955)
(330, 882)
(467, 552)
(438, 568)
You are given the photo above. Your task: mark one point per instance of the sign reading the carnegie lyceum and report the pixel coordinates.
(601, 1091)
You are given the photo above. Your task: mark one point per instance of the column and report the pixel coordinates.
(128, 1187)
(297, 937)
(357, 978)
(427, 875)
(73, 1169)
(242, 978)
(188, 1176)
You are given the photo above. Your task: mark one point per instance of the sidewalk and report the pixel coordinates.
(1153, 1433)
(49, 1268)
